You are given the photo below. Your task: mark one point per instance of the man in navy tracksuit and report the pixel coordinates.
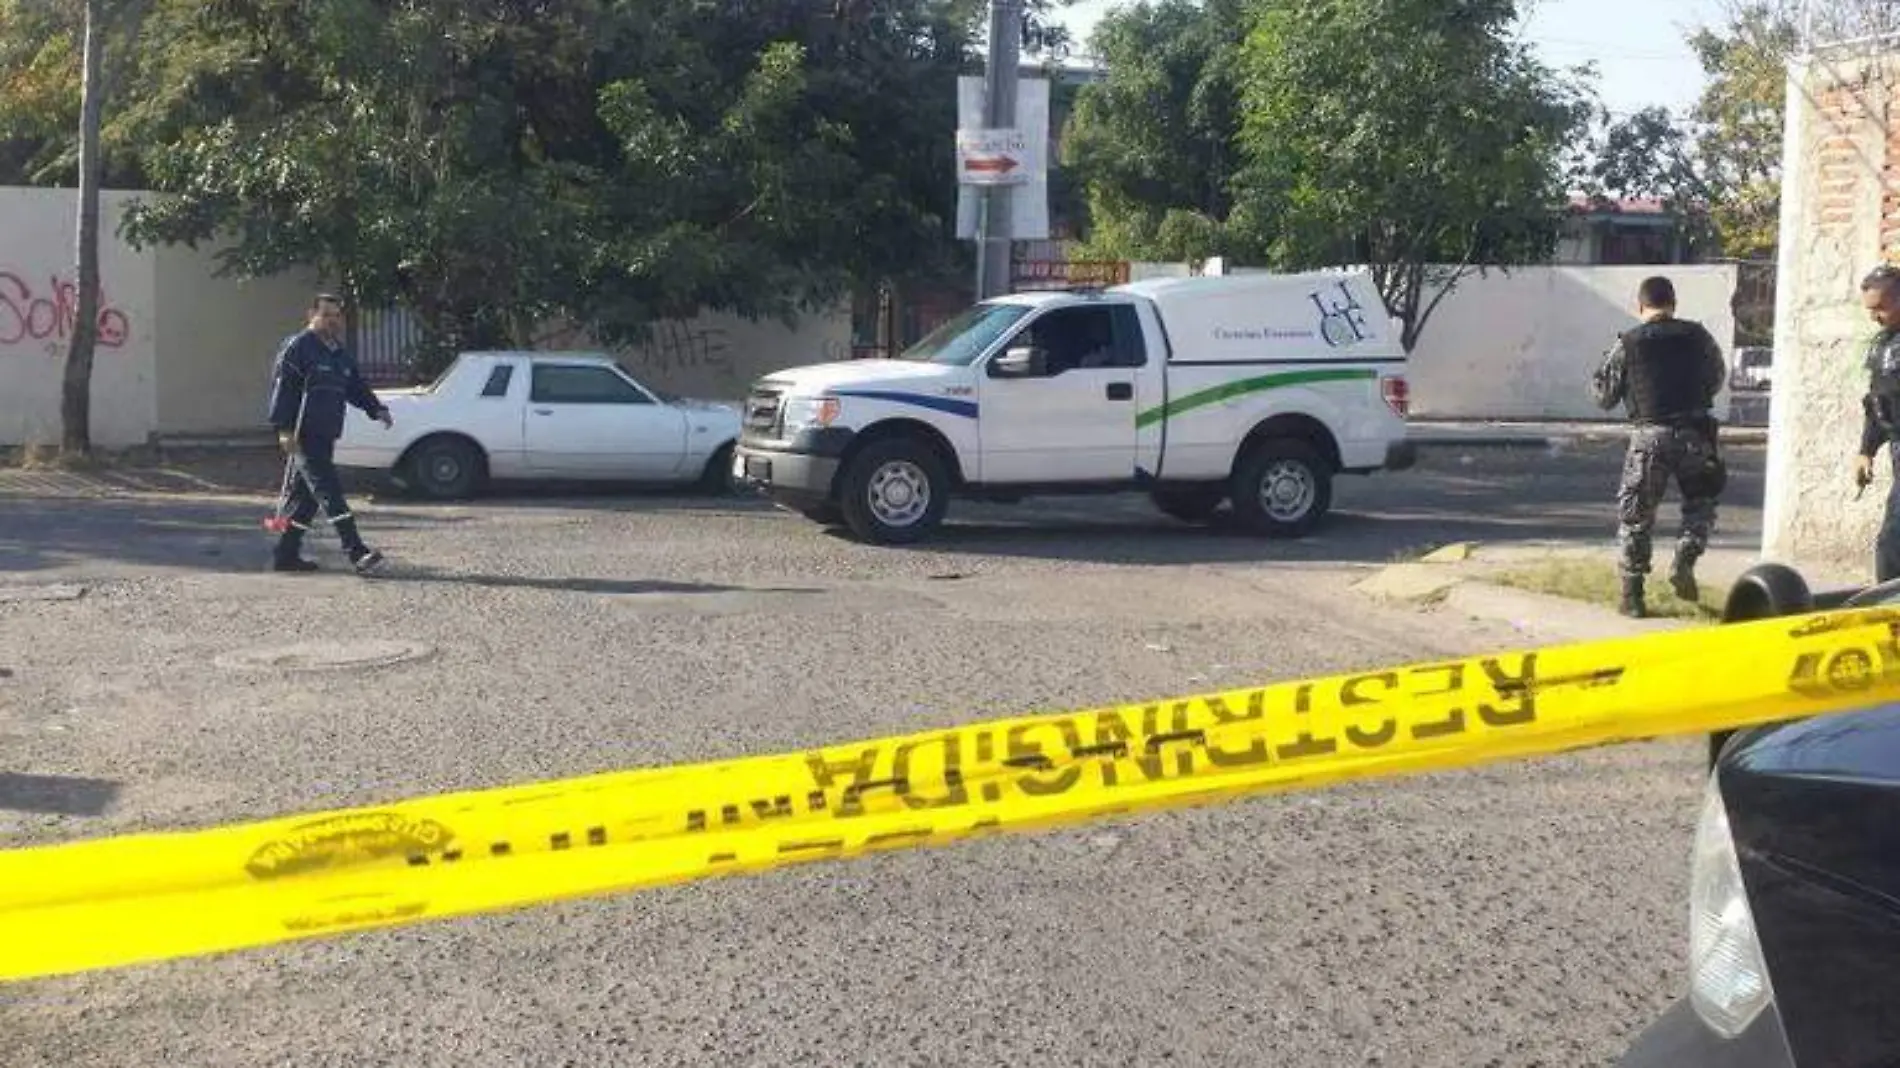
(316, 378)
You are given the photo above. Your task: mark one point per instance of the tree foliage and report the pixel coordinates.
(1738, 123)
(496, 164)
(1154, 143)
(1719, 165)
(1415, 137)
(40, 90)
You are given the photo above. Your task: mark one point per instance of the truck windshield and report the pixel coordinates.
(961, 340)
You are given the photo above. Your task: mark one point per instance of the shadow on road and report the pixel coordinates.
(38, 533)
(1345, 537)
(576, 496)
(572, 585)
(56, 795)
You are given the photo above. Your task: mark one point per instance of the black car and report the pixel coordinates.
(1794, 940)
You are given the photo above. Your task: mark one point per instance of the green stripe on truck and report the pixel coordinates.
(1241, 388)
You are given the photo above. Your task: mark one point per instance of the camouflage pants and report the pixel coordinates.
(1656, 455)
(1887, 546)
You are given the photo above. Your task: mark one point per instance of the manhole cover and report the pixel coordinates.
(327, 656)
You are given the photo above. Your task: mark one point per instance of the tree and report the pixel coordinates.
(1738, 122)
(1412, 136)
(75, 408)
(607, 162)
(41, 68)
(1650, 155)
(1153, 144)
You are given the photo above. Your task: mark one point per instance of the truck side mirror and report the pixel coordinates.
(1021, 363)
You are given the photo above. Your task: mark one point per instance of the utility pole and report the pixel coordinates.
(993, 234)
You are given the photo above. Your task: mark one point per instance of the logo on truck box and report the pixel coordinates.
(1342, 319)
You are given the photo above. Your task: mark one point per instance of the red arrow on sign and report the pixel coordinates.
(1001, 165)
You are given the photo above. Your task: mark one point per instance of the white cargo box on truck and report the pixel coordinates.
(1299, 318)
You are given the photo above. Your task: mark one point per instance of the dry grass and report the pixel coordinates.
(1596, 582)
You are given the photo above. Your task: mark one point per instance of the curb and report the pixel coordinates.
(1435, 585)
(1442, 440)
(1486, 441)
(1556, 619)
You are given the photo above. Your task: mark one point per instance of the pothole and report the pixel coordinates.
(327, 656)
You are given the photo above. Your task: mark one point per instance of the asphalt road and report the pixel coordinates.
(1528, 914)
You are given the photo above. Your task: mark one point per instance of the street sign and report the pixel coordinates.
(993, 157)
(1028, 181)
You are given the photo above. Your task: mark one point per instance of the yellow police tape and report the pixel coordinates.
(148, 897)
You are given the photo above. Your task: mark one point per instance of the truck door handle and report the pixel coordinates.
(1121, 391)
(544, 411)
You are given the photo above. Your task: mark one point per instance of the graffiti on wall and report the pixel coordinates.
(45, 314)
(671, 346)
(676, 346)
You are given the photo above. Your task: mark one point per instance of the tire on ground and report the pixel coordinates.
(716, 479)
(894, 491)
(1281, 488)
(446, 468)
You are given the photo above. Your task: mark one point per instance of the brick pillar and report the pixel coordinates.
(1840, 213)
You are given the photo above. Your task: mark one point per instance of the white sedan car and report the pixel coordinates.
(540, 415)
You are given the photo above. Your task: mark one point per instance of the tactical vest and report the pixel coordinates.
(1665, 364)
(1883, 381)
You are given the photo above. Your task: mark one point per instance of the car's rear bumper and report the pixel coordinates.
(1679, 1039)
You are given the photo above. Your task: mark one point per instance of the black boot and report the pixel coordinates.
(1682, 576)
(288, 555)
(1632, 604)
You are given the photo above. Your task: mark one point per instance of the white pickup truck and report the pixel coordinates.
(540, 415)
(1255, 388)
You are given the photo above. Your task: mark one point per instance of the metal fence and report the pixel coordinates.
(386, 341)
(1845, 25)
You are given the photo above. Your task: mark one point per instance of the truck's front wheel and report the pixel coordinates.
(1282, 487)
(894, 492)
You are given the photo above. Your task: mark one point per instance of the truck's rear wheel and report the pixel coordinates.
(894, 492)
(1190, 506)
(1282, 487)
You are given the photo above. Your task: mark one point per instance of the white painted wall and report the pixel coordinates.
(1522, 345)
(217, 339)
(38, 298)
(180, 350)
(186, 352)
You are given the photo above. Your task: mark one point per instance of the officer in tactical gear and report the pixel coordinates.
(1880, 407)
(315, 379)
(1666, 372)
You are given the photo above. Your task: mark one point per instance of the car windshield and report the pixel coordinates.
(965, 337)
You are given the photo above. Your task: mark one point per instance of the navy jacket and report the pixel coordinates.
(321, 381)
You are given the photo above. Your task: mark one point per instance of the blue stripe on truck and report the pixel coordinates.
(966, 409)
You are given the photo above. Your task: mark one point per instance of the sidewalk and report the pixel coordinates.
(1467, 579)
(1541, 434)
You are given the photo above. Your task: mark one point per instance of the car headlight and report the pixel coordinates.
(1728, 976)
(806, 413)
